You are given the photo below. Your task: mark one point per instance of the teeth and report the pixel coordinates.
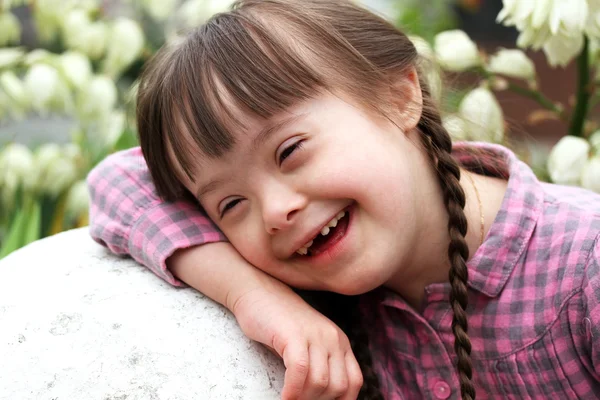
(325, 231)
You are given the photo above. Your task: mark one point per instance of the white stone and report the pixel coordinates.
(79, 323)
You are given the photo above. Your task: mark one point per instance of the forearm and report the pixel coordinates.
(219, 272)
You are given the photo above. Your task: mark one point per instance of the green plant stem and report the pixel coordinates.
(533, 94)
(583, 92)
(538, 97)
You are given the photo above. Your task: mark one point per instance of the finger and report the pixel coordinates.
(296, 360)
(318, 373)
(338, 376)
(355, 378)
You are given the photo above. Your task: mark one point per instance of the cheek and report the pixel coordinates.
(251, 244)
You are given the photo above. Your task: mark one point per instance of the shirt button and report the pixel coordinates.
(441, 390)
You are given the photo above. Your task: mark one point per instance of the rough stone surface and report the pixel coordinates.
(79, 323)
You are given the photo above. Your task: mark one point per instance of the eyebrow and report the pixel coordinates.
(210, 187)
(260, 139)
(270, 129)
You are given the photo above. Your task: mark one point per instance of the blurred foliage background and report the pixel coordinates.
(69, 69)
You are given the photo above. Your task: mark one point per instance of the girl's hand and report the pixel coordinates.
(319, 362)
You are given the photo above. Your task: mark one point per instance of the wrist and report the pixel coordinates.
(218, 271)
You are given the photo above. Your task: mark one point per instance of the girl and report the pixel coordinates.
(304, 132)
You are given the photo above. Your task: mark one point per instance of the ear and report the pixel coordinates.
(407, 99)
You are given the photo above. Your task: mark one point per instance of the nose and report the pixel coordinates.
(280, 206)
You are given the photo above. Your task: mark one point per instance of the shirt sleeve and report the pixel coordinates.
(128, 217)
(591, 294)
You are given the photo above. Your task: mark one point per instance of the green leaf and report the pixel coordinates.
(14, 238)
(33, 227)
(127, 140)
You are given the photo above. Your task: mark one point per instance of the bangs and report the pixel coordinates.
(231, 69)
(253, 63)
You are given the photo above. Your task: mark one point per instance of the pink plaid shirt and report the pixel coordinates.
(534, 307)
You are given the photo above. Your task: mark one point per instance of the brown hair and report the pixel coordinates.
(265, 56)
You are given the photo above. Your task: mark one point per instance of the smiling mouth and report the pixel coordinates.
(330, 234)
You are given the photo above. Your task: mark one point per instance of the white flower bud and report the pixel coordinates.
(75, 67)
(97, 98)
(39, 56)
(455, 51)
(46, 89)
(567, 159)
(41, 82)
(10, 29)
(75, 22)
(513, 63)
(196, 12)
(160, 9)
(483, 116)
(83, 35)
(590, 176)
(423, 48)
(595, 141)
(10, 56)
(456, 127)
(14, 88)
(127, 42)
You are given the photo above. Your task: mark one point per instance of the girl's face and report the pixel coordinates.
(323, 163)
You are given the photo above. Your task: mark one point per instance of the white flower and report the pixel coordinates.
(567, 159)
(54, 172)
(75, 67)
(483, 116)
(10, 29)
(513, 63)
(97, 98)
(10, 56)
(555, 25)
(160, 9)
(590, 176)
(455, 51)
(112, 128)
(16, 163)
(78, 200)
(46, 89)
(127, 42)
(81, 34)
(592, 27)
(561, 49)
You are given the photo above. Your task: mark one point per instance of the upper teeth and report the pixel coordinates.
(324, 231)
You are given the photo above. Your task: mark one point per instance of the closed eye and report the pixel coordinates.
(228, 206)
(289, 150)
